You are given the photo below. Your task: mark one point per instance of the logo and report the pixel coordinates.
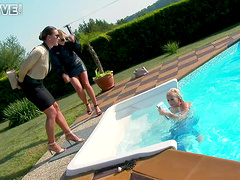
(10, 9)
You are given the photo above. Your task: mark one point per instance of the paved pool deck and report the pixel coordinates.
(189, 165)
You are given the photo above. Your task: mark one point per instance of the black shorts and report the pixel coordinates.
(35, 92)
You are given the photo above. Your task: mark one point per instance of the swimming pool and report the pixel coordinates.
(214, 90)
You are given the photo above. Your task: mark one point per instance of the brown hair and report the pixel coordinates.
(46, 31)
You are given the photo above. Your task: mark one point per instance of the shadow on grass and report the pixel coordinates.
(11, 155)
(4, 129)
(17, 175)
(23, 172)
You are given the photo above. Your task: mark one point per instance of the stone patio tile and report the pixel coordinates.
(150, 79)
(236, 36)
(224, 45)
(205, 58)
(168, 76)
(127, 93)
(155, 69)
(137, 176)
(169, 65)
(183, 72)
(124, 175)
(150, 76)
(219, 41)
(163, 74)
(82, 118)
(202, 50)
(108, 103)
(191, 59)
(192, 53)
(170, 165)
(116, 91)
(83, 177)
(120, 99)
(146, 86)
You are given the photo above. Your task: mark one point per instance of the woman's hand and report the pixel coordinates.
(166, 113)
(162, 111)
(71, 38)
(66, 78)
(18, 87)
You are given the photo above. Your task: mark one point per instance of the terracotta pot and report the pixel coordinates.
(105, 82)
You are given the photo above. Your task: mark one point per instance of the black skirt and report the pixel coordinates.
(77, 68)
(35, 92)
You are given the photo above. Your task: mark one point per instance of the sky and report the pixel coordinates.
(37, 14)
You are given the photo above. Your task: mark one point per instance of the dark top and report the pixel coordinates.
(66, 59)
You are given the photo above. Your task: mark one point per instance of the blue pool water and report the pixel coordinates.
(214, 90)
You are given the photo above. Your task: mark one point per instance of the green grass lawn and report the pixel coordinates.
(22, 146)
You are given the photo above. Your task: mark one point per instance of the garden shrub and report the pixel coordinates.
(171, 47)
(20, 112)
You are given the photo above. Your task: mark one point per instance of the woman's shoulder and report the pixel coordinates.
(39, 50)
(186, 105)
(189, 103)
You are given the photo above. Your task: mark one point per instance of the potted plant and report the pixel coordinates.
(104, 79)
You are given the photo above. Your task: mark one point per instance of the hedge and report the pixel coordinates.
(139, 40)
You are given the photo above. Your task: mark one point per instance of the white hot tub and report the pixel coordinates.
(100, 150)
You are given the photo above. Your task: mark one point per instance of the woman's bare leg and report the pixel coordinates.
(79, 89)
(51, 114)
(83, 77)
(55, 115)
(60, 119)
(81, 94)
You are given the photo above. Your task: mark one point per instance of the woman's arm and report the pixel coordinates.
(29, 63)
(74, 45)
(184, 108)
(166, 113)
(56, 62)
(66, 78)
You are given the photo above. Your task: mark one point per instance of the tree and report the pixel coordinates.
(11, 54)
(95, 26)
(121, 21)
(86, 39)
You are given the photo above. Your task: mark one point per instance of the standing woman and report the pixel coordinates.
(68, 64)
(34, 69)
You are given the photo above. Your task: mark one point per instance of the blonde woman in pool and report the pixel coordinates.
(178, 107)
(179, 111)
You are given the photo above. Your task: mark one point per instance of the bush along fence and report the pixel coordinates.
(142, 39)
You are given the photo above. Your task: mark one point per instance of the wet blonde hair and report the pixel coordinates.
(62, 34)
(175, 91)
